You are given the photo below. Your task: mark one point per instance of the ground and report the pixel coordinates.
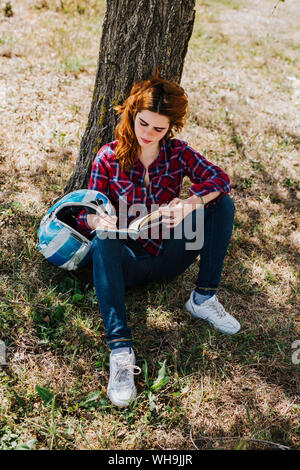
(242, 78)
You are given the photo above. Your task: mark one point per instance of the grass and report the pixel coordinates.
(214, 391)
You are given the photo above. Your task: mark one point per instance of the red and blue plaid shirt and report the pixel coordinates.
(176, 160)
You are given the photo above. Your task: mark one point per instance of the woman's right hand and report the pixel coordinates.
(103, 222)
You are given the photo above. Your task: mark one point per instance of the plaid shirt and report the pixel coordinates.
(176, 159)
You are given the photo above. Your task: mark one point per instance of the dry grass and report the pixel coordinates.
(242, 77)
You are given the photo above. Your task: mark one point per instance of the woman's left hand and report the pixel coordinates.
(175, 212)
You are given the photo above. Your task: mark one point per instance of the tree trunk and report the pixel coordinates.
(137, 36)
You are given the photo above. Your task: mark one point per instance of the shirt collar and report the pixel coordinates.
(161, 160)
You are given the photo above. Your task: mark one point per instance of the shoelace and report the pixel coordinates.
(218, 308)
(126, 367)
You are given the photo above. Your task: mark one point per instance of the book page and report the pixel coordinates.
(145, 221)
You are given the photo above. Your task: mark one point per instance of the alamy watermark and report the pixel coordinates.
(2, 354)
(189, 224)
(296, 353)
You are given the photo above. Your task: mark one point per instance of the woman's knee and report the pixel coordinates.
(224, 209)
(223, 216)
(227, 204)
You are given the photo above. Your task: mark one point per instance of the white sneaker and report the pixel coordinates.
(214, 312)
(121, 389)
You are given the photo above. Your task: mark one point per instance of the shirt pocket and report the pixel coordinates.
(164, 188)
(119, 189)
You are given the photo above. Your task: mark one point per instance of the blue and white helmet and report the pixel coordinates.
(58, 239)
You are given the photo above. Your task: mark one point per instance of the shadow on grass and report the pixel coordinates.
(161, 328)
(266, 330)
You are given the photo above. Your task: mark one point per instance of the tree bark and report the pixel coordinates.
(137, 36)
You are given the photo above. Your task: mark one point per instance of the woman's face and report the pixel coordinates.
(150, 128)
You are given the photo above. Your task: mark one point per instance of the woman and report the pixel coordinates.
(145, 165)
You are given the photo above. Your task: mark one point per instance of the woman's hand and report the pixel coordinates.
(178, 209)
(101, 222)
(175, 212)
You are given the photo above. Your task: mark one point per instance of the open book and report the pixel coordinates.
(137, 225)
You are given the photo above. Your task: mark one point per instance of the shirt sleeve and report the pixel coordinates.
(99, 182)
(205, 176)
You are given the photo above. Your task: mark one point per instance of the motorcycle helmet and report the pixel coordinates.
(58, 238)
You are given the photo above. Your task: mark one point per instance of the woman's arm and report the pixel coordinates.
(206, 177)
(209, 182)
(177, 209)
(98, 182)
(196, 201)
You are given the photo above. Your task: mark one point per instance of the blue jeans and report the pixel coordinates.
(121, 264)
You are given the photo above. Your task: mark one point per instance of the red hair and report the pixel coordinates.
(157, 95)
